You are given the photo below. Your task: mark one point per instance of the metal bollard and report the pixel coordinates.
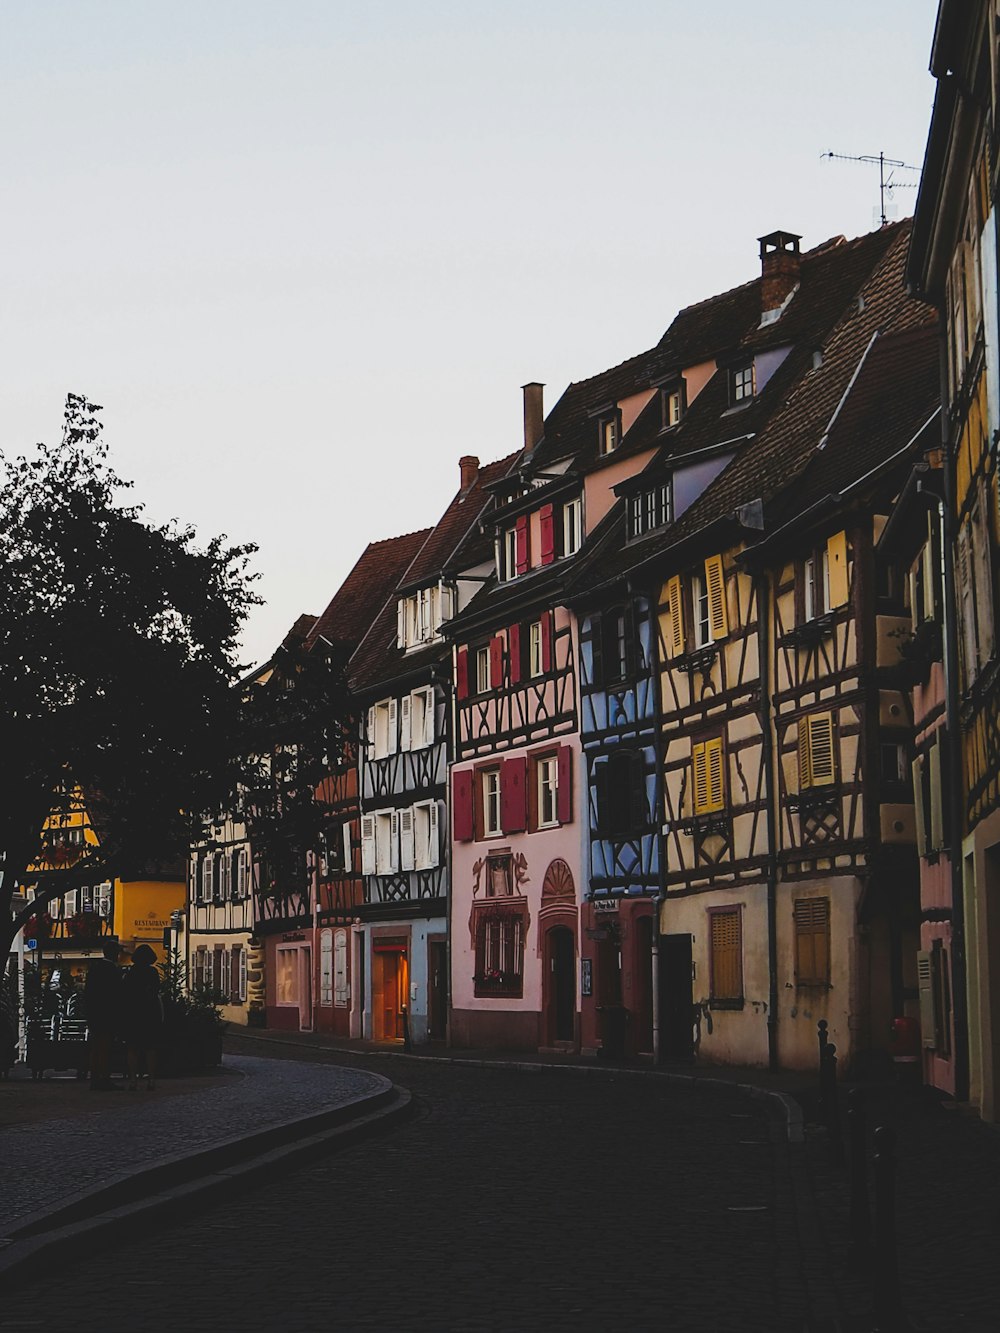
(832, 1104)
(859, 1253)
(886, 1301)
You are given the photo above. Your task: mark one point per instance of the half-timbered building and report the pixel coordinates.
(221, 954)
(401, 678)
(953, 263)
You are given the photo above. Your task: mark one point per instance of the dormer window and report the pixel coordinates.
(420, 615)
(742, 383)
(672, 400)
(572, 528)
(508, 555)
(650, 509)
(610, 434)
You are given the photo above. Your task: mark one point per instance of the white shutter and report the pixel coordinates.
(242, 878)
(69, 903)
(326, 968)
(917, 770)
(368, 844)
(447, 603)
(341, 987)
(433, 838)
(242, 993)
(401, 623)
(406, 840)
(370, 738)
(225, 867)
(206, 879)
(929, 572)
(428, 737)
(936, 803)
(393, 858)
(404, 723)
(348, 856)
(393, 710)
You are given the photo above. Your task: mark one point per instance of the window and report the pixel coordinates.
(383, 728)
(535, 667)
(207, 877)
(547, 791)
(702, 617)
(572, 527)
(812, 941)
(726, 957)
(507, 555)
(499, 950)
(815, 586)
(287, 979)
(817, 755)
(616, 650)
(672, 400)
(742, 383)
(935, 998)
(930, 801)
(426, 839)
(708, 776)
(650, 509)
(482, 670)
(326, 968)
(417, 719)
(894, 766)
(620, 790)
(610, 432)
(386, 842)
(104, 899)
(489, 789)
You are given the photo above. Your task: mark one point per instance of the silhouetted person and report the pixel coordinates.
(143, 1014)
(103, 999)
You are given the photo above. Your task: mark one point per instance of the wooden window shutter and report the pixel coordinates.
(699, 778)
(836, 555)
(462, 805)
(433, 835)
(234, 974)
(462, 673)
(928, 1008)
(393, 726)
(547, 641)
(716, 780)
(919, 814)
(514, 647)
(430, 703)
(522, 554)
(405, 714)
(812, 941)
(496, 662)
(370, 738)
(929, 571)
(726, 957)
(548, 534)
(406, 839)
(716, 584)
(967, 602)
(936, 799)
(805, 780)
(513, 795)
(401, 623)
(348, 854)
(368, 844)
(564, 793)
(817, 762)
(675, 613)
(394, 841)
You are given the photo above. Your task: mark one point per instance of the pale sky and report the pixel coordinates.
(305, 253)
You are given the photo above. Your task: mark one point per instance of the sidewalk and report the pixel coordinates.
(109, 1161)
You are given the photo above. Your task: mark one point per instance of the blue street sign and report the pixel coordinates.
(31, 944)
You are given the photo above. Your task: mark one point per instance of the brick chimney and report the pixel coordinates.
(779, 268)
(469, 468)
(534, 414)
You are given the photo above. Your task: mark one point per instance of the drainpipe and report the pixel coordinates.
(946, 515)
(659, 812)
(767, 759)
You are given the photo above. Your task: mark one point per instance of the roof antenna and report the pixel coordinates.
(886, 184)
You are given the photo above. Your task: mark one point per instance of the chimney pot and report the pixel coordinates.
(534, 414)
(468, 466)
(780, 262)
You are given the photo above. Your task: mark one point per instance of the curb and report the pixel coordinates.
(785, 1106)
(83, 1224)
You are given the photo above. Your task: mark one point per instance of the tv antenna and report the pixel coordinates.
(886, 184)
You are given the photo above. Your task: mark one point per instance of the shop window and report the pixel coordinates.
(287, 976)
(812, 941)
(499, 950)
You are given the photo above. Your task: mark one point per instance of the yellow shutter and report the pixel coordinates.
(822, 769)
(812, 941)
(836, 554)
(805, 777)
(919, 816)
(699, 767)
(676, 617)
(727, 969)
(716, 585)
(716, 785)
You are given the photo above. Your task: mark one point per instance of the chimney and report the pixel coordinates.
(469, 468)
(534, 414)
(779, 268)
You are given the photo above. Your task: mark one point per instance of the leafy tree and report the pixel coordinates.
(118, 657)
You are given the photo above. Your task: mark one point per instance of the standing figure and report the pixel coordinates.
(143, 1013)
(102, 998)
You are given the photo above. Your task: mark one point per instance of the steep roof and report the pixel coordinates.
(359, 598)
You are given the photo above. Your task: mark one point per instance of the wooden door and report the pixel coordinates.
(676, 998)
(560, 984)
(389, 986)
(437, 1018)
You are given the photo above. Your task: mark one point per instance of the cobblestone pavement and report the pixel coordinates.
(42, 1164)
(509, 1201)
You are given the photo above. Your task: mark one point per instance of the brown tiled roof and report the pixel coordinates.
(362, 594)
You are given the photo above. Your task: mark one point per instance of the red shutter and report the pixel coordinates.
(521, 554)
(461, 805)
(547, 516)
(514, 646)
(547, 641)
(564, 796)
(496, 662)
(462, 673)
(513, 806)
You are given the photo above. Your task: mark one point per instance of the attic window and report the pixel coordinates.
(672, 400)
(741, 382)
(610, 434)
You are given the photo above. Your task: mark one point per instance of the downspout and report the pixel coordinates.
(946, 513)
(767, 759)
(659, 814)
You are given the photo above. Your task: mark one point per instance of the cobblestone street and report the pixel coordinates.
(509, 1201)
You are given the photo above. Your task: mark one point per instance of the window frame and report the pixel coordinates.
(742, 383)
(737, 999)
(609, 436)
(536, 666)
(488, 799)
(545, 779)
(482, 655)
(571, 527)
(491, 949)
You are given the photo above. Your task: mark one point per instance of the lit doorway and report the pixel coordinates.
(390, 984)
